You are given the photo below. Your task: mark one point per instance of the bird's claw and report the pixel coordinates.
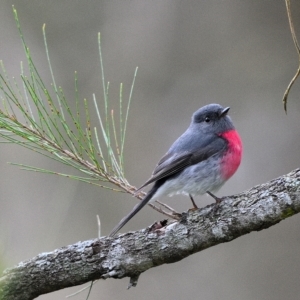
(217, 199)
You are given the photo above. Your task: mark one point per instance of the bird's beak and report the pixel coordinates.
(224, 112)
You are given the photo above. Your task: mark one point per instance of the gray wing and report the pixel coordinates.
(172, 163)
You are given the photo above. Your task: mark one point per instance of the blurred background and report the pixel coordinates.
(189, 53)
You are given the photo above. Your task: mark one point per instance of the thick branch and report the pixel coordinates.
(130, 254)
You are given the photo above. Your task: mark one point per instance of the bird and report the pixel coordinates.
(200, 161)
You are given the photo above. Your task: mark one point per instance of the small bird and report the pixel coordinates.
(200, 161)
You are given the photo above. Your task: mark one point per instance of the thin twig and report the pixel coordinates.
(167, 206)
(285, 96)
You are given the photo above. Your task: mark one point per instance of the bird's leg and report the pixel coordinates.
(217, 199)
(194, 204)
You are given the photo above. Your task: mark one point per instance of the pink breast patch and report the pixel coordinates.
(232, 159)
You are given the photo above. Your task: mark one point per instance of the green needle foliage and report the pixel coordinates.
(42, 121)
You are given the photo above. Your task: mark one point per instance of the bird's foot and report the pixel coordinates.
(194, 204)
(192, 209)
(217, 199)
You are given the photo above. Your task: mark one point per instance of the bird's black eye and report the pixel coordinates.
(207, 119)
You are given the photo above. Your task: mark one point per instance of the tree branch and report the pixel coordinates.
(130, 254)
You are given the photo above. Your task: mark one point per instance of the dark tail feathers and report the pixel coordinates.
(135, 210)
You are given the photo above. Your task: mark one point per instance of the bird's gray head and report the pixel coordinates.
(212, 118)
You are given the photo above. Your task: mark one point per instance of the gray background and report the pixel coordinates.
(189, 53)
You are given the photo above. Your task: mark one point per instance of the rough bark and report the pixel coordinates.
(130, 254)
